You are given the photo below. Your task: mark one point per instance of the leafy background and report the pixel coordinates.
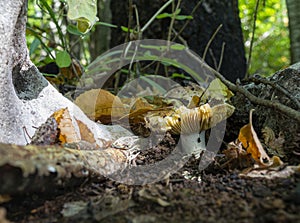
(51, 33)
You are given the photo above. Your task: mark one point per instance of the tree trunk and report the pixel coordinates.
(100, 38)
(26, 98)
(293, 7)
(207, 18)
(12, 55)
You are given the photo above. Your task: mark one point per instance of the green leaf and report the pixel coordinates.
(34, 45)
(177, 47)
(183, 17)
(177, 11)
(125, 29)
(218, 90)
(106, 24)
(164, 15)
(84, 12)
(83, 25)
(63, 59)
(177, 16)
(177, 75)
(73, 30)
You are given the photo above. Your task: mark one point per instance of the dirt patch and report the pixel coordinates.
(213, 195)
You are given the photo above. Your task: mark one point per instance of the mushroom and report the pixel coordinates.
(192, 123)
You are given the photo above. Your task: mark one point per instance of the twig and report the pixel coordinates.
(221, 57)
(173, 20)
(183, 41)
(252, 38)
(156, 14)
(293, 114)
(210, 41)
(188, 21)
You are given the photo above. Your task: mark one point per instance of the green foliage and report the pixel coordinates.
(84, 12)
(271, 43)
(51, 24)
(63, 59)
(177, 16)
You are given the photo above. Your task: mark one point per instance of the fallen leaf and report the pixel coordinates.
(85, 132)
(67, 133)
(101, 105)
(218, 90)
(272, 173)
(251, 143)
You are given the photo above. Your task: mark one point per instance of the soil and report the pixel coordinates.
(213, 195)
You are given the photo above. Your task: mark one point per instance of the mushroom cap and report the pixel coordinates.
(187, 121)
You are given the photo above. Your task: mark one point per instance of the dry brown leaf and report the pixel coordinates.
(236, 156)
(67, 132)
(251, 143)
(139, 108)
(101, 105)
(85, 132)
(275, 144)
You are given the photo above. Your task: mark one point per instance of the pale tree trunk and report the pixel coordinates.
(12, 55)
(26, 98)
(293, 7)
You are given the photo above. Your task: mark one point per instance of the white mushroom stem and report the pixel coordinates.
(193, 143)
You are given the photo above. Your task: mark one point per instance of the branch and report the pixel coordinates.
(27, 169)
(293, 114)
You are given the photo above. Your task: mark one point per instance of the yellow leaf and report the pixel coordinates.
(85, 132)
(67, 132)
(100, 105)
(218, 90)
(251, 143)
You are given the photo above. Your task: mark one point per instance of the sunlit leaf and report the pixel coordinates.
(177, 47)
(252, 144)
(183, 17)
(67, 133)
(73, 30)
(34, 45)
(100, 105)
(63, 59)
(218, 90)
(84, 12)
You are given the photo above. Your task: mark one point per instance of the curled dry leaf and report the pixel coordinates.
(60, 129)
(101, 105)
(67, 133)
(85, 132)
(251, 143)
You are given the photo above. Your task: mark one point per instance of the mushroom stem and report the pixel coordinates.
(193, 143)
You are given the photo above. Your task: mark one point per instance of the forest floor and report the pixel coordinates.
(213, 195)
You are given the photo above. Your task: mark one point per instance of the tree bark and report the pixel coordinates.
(293, 7)
(26, 98)
(198, 32)
(100, 38)
(12, 55)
